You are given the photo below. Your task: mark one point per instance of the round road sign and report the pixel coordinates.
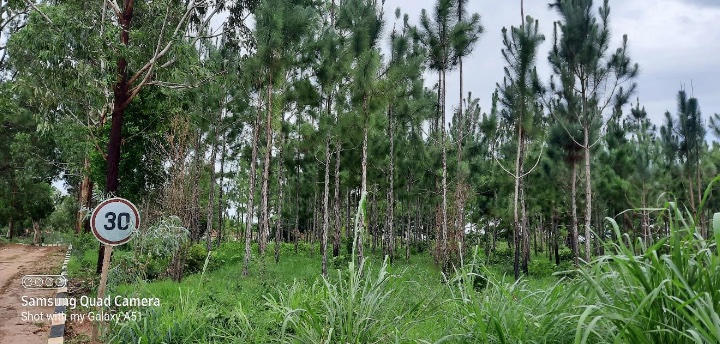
(114, 220)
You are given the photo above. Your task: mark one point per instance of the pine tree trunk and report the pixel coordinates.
(336, 203)
(391, 191)
(517, 198)
(195, 230)
(251, 194)
(444, 248)
(281, 194)
(573, 202)
(372, 226)
(222, 202)
(325, 211)
(525, 226)
(460, 183)
(265, 216)
(363, 184)
(588, 195)
(348, 203)
(211, 191)
(556, 243)
(408, 234)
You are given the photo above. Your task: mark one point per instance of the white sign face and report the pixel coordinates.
(114, 220)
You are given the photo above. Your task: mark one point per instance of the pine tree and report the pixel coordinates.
(591, 78)
(521, 93)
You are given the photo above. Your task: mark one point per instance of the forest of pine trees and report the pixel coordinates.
(330, 122)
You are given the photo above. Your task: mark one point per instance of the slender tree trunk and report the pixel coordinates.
(574, 233)
(265, 226)
(195, 230)
(693, 207)
(336, 203)
(391, 191)
(588, 196)
(36, 232)
(643, 213)
(281, 194)
(517, 198)
(222, 202)
(408, 233)
(251, 194)
(701, 220)
(11, 227)
(460, 182)
(211, 191)
(296, 231)
(363, 184)
(373, 226)
(556, 244)
(325, 211)
(444, 248)
(525, 227)
(85, 199)
(348, 203)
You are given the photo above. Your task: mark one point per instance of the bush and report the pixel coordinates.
(419, 247)
(502, 257)
(566, 254)
(541, 268)
(339, 262)
(195, 259)
(230, 252)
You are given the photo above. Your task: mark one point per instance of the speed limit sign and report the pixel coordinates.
(114, 220)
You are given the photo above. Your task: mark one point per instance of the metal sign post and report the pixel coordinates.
(113, 222)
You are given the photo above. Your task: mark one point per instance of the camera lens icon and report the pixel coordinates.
(44, 281)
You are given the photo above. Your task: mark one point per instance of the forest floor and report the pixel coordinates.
(16, 323)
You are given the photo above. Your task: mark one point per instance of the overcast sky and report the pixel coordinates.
(675, 42)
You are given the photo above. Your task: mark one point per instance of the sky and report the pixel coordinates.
(675, 42)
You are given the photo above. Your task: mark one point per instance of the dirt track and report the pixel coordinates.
(15, 262)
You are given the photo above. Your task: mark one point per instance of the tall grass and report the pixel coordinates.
(668, 294)
(355, 308)
(510, 312)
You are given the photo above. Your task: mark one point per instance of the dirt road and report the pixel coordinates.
(16, 319)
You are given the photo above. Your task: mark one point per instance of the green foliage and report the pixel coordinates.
(63, 216)
(339, 262)
(195, 259)
(540, 268)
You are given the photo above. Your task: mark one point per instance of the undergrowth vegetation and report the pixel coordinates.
(666, 291)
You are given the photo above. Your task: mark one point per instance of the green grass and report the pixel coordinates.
(668, 293)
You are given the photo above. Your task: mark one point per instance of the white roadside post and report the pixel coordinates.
(113, 222)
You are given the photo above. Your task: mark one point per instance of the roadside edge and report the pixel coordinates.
(57, 328)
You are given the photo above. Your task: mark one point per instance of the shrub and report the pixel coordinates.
(541, 268)
(339, 262)
(195, 259)
(566, 254)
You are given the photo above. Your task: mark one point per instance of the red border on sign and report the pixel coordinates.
(104, 203)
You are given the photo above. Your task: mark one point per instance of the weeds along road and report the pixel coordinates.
(21, 323)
